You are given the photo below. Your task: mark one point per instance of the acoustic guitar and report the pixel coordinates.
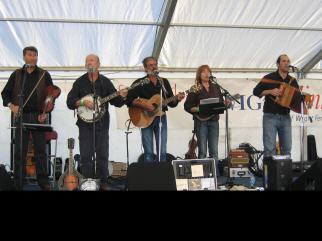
(142, 118)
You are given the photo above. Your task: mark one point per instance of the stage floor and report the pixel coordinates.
(118, 184)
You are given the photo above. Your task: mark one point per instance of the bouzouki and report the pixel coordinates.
(71, 179)
(86, 114)
(143, 118)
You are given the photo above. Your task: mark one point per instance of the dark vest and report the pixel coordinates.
(40, 91)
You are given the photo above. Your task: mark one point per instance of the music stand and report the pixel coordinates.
(212, 106)
(37, 127)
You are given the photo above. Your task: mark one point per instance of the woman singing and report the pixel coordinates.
(206, 124)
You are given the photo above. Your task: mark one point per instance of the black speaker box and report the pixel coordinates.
(311, 180)
(151, 177)
(277, 174)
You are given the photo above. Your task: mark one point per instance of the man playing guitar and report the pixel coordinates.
(147, 91)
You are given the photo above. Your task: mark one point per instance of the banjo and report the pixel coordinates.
(86, 114)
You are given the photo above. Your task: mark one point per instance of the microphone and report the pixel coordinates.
(212, 78)
(293, 68)
(28, 66)
(91, 69)
(155, 72)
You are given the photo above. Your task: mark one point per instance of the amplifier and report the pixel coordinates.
(238, 153)
(238, 158)
(239, 162)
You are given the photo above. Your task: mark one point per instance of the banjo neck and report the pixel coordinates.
(110, 97)
(117, 93)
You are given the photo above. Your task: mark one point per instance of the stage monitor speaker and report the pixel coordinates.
(277, 173)
(311, 180)
(6, 182)
(151, 177)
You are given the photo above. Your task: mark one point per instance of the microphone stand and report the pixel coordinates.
(303, 104)
(20, 123)
(127, 132)
(95, 97)
(161, 109)
(227, 95)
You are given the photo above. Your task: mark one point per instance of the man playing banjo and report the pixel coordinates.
(93, 83)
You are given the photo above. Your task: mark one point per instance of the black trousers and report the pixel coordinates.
(87, 164)
(39, 143)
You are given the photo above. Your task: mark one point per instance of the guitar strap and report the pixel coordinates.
(32, 92)
(163, 87)
(165, 92)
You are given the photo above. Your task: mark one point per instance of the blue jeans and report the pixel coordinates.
(273, 125)
(147, 139)
(207, 135)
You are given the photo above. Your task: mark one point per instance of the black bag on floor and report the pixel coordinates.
(6, 182)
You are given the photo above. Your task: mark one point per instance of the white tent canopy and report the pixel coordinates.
(230, 34)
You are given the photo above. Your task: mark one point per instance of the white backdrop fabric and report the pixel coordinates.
(245, 122)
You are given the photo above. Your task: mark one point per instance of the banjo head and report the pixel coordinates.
(86, 114)
(90, 185)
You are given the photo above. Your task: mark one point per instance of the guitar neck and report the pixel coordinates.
(169, 100)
